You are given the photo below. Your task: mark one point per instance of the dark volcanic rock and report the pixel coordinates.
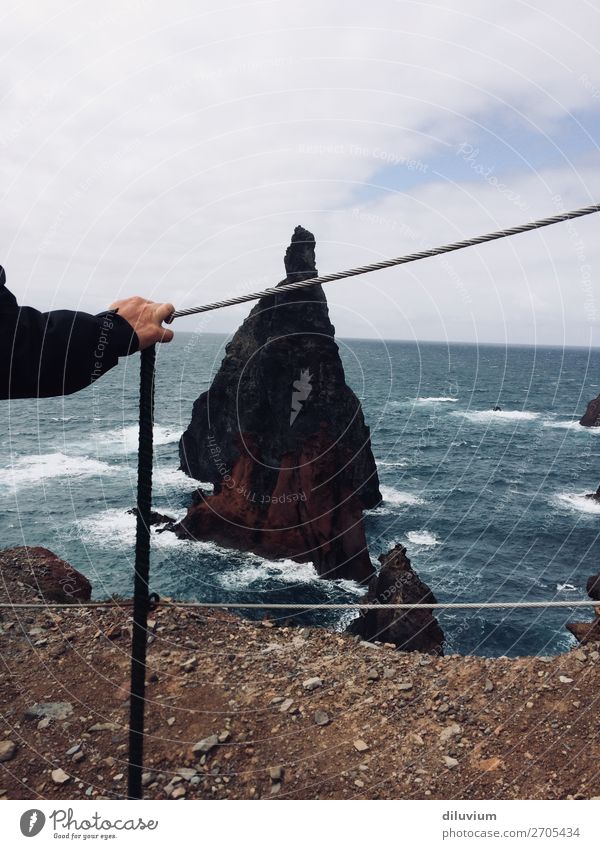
(398, 583)
(282, 437)
(155, 518)
(591, 417)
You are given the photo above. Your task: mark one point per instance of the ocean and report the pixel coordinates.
(490, 505)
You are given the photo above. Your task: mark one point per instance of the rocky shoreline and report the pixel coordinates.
(246, 710)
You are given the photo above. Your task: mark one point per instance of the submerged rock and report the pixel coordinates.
(398, 583)
(591, 417)
(282, 438)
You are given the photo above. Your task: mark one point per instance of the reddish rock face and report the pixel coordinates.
(282, 438)
(52, 578)
(310, 515)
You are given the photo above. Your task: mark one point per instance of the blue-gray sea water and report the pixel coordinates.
(490, 504)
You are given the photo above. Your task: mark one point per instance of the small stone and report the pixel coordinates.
(416, 739)
(312, 684)
(449, 732)
(118, 777)
(361, 746)
(580, 655)
(204, 746)
(372, 674)
(74, 749)
(178, 792)
(405, 685)
(564, 679)
(147, 778)
(276, 773)
(52, 710)
(275, 788)
(488, 686)
(104, 726)
(529, 705)
(78, 757)
(59, 776)
(224, 736)
(450, 762)
(285, 705)
(321, 717)
(43, 723)
(8, 750)
(171, 721)
(187, 773)
(189, 665)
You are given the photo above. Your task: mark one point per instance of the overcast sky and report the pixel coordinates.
(169, 149)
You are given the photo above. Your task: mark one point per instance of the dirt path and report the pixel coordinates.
(283, 712)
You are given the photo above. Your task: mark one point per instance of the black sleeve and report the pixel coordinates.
(58, 352)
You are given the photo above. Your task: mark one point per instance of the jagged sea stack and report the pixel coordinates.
(283, 439)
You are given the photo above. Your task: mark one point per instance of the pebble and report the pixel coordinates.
(361, 746)
(52, 710)
(224, 736)
(171, 721)
(275, 773)
(488, 685)
(285, 705)
(59, 776)
(178, 792)
(372, 674)
(187, 773)
(104, 726)
(449, 732)
(147, 778)
(312, 684)
(564, 679)
(321, 717)
(8, 750)
(74, 749)
(78, 757)
(450, 762)
(204, 746)
(405, 685)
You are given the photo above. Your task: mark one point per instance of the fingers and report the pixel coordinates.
(167, 335)
(163, 311)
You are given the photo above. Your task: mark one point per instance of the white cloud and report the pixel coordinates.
(169, 149)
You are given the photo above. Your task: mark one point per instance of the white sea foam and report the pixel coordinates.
(423, 538)
(578, 502)
(489, 416)
(261, 570)
(395, 464)
(572, 424)
(126, 438)
(34, 468)
(166, 477)
(399, 497)
(436, 399)
(565, 588)
(115, 528)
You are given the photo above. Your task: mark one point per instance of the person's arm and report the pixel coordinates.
(60, 352)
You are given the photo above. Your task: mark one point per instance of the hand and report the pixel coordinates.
(146, 318)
